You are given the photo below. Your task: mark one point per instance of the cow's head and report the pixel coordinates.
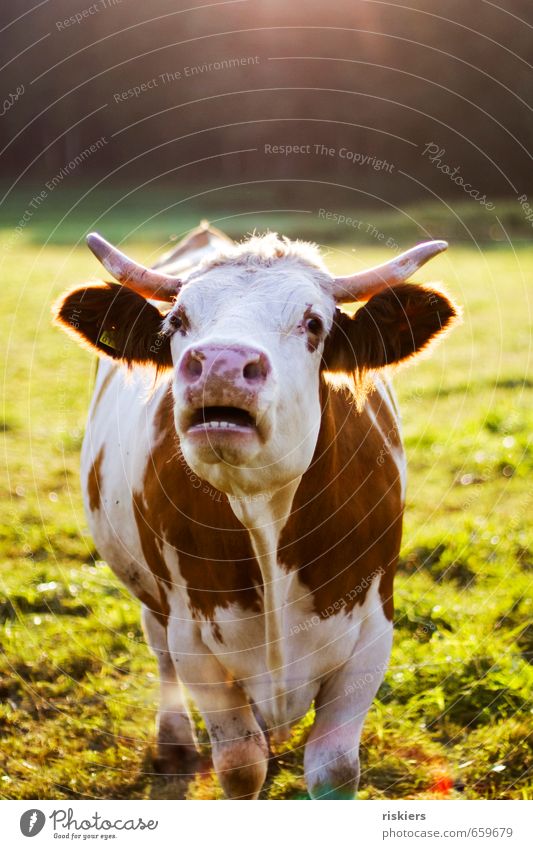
(247, 336)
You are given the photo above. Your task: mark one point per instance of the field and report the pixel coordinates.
(78, 687)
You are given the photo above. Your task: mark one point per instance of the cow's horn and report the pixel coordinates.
(365, 284)
(144, 281)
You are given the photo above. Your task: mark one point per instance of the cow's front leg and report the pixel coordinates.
(331, 759)
(176, 745)
(238, 746)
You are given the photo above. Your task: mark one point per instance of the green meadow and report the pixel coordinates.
(78, 686)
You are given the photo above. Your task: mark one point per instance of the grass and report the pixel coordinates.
(78, 687)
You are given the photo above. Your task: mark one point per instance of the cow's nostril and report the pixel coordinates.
(254, 371)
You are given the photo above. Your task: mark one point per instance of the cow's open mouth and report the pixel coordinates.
(228, 419)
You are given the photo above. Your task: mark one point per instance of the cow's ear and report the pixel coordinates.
(115, 322)
(390, 328)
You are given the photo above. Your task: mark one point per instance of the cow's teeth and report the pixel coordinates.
(216, 425)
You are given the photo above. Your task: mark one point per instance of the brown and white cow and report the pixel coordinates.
(252, 496)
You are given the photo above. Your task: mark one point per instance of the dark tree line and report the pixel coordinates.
(374, 84)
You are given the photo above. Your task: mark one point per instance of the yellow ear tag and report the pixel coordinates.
(108, 338)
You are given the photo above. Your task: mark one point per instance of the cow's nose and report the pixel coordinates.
(240, 365)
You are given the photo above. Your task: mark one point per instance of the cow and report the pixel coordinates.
(244, 476)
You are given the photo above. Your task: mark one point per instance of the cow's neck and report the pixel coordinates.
(264, 519)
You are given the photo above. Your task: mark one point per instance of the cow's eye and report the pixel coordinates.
(177, 321)
(314, 325)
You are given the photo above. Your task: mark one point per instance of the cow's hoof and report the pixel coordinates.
(335, 779)
(178, 761)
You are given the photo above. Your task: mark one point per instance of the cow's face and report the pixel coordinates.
(246, 339)
(247, 343)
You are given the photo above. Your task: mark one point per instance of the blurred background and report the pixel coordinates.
(391, 104)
